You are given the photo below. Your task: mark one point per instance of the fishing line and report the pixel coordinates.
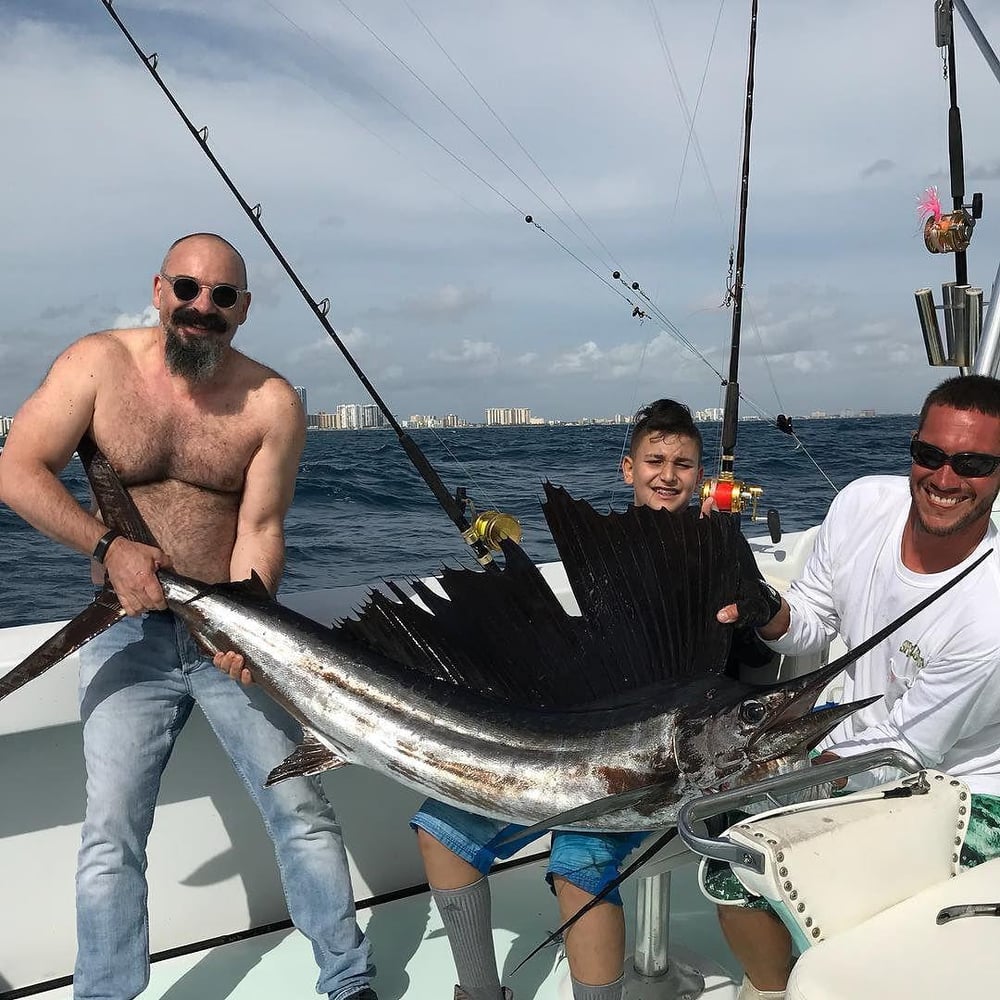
(689, 118)
(449, 503)
(395, 107)
(357, 121)
(652, 850)
(609, 262)
(772, 419)
(669, 326)
(423, 83)
(692, 137)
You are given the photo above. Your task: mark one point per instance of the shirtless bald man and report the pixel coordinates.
(208, 442)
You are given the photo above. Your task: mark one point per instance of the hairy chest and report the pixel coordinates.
(150, 441)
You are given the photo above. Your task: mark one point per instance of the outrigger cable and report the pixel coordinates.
(452, 507)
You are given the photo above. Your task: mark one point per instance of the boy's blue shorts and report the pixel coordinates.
(588, 860)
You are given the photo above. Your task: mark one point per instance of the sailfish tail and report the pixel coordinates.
(119, 511)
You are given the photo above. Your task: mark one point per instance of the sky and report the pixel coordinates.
(395, 147)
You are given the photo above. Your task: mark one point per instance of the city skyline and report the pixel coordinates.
(365, 416)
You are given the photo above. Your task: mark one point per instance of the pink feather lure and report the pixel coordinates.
(928, 204)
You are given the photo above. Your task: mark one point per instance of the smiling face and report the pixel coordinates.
(663, 470)
(945, 504)
(197, 332)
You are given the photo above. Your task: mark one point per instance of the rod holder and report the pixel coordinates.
(963, 324)
(947, 300)
(974, 316)
(929, 327)
(957, 330)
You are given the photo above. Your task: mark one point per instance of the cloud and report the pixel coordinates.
(128, 321)
(878, 167)
(449, 303)
(984, 172)
(321, 351)
(478, 353)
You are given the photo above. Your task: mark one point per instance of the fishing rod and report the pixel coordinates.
(727, 492)
(483, 534)
(951, 232)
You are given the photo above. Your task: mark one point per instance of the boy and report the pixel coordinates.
(663, 466)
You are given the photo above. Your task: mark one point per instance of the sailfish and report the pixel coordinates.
(490, 695)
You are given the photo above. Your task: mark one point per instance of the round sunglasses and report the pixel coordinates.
(967, 464)
(225, 296)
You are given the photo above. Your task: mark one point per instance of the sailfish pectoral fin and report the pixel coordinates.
(90, 622)
(644, 799)
(308, 758)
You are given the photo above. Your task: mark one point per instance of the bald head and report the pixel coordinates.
(208, 242)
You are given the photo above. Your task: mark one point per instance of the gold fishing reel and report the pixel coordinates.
(732, 496)
(493, 526)
(487, 529)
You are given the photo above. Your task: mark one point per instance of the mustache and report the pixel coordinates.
(185, 316)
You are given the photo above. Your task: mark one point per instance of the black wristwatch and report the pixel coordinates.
(773, 599)
(104, 543)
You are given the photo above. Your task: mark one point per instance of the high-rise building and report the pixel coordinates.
(5, 423)
(301, 390)
(507, 416)
(372, 416)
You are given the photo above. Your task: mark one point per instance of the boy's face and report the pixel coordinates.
(663, 471)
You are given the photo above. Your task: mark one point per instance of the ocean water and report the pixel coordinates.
(361, 512)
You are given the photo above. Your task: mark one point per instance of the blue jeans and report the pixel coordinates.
(138, 683)
(588, 860)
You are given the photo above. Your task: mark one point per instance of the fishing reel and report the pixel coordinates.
(489, 528)
(731, 495)
(952, 233)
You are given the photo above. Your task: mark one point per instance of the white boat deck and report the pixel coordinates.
(412, 955)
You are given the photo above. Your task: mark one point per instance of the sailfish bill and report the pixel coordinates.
(495, 699)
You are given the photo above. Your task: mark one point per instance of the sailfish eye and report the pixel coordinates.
(753, 712)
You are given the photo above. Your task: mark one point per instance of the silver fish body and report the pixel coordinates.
(514, 764)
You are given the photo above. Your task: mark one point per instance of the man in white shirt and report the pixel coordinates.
(876, 556)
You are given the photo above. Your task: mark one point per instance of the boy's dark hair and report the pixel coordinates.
(664, 417)
(965, 392)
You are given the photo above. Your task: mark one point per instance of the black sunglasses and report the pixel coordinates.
(967, 464)
(187, 289)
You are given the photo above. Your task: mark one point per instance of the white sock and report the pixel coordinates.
(750, 992)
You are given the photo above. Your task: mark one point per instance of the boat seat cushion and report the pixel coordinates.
(903, 952)
(819, 857)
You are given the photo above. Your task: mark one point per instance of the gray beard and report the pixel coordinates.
(197, 360)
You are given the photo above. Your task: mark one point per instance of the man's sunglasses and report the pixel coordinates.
(967, 464)
(187, 289)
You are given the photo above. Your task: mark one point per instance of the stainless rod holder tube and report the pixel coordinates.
(949, 321)
(929, 326)
(652, 925)
(959, 343)
(974, 312)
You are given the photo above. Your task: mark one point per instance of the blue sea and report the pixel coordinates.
(361, 512)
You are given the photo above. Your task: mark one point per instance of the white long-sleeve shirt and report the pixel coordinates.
(939, 673)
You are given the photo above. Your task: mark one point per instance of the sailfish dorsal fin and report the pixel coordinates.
(648, 584)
